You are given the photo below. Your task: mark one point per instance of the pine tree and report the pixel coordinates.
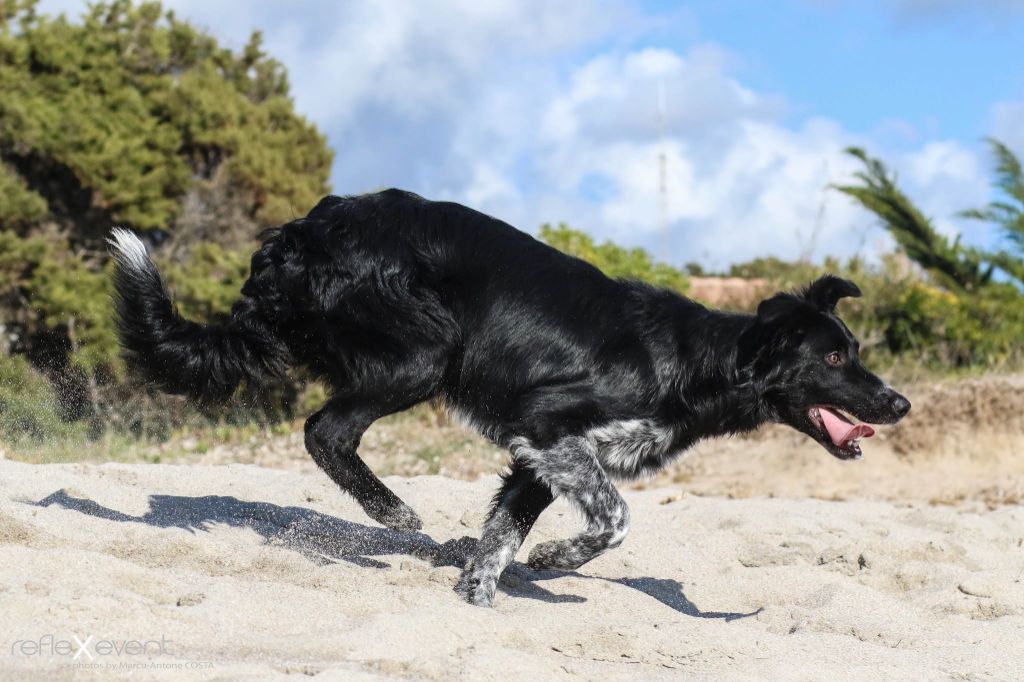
(130, 116)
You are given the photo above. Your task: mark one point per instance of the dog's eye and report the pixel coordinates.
(835, 358)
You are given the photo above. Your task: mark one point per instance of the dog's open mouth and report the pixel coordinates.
(837, 430)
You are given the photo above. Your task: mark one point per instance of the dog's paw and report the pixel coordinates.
(399, 517)
(553, 555)
(476, 590)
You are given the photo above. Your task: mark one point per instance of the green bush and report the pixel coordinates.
(903, 318)
(954, 311)
(28, 409)
(205, 287)
(130, 116)
(962, 331)
(612, 259)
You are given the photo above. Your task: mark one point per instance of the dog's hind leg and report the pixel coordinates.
(380, 365)
(572, 470)
(516, 507)
(332, 438)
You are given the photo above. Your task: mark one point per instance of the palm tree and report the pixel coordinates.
(1008, 211)
(955, 265)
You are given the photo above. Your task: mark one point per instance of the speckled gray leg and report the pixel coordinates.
(516, 507)
(571, 469)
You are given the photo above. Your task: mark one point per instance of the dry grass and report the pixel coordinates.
(961, 444)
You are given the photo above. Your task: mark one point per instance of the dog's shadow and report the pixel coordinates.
(326, 539)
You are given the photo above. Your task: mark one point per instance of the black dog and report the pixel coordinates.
(393, 300)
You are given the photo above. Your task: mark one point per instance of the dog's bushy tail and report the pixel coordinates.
(205, 362)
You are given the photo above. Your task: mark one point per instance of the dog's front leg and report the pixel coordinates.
(572, 470)
(517, 505)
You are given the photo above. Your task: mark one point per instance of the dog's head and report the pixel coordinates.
(807, 365)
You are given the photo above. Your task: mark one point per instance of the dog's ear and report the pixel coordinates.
(779, 307)
(825, 292)
(781, 323)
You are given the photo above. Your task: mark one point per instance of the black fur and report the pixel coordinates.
(394, 300)
(205, 362)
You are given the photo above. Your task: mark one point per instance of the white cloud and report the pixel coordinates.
(739, 182)
(619, 95)
(1008, 125)
(488, 185)
(766, 193)
(419, 59)
(953, 178)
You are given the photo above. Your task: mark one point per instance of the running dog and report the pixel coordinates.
(393, 300)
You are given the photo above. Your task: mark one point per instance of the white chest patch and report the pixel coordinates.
(631, 447)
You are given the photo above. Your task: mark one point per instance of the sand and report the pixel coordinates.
(243, 572)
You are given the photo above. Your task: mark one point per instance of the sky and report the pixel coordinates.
(541, 111)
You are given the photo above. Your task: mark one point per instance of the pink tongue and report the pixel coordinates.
(841, 430)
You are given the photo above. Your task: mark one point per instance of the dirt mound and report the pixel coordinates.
(728, 291)
(954, 416)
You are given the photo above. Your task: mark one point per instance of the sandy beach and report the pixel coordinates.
(238, 571)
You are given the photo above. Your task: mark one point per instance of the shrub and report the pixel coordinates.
(133, 117)
(612, 259)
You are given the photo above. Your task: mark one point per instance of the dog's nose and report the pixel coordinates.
(900, 405)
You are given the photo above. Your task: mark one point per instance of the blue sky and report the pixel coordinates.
(936, 65)
(537, 111)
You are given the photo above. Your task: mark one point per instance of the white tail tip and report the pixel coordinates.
(128, 249)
